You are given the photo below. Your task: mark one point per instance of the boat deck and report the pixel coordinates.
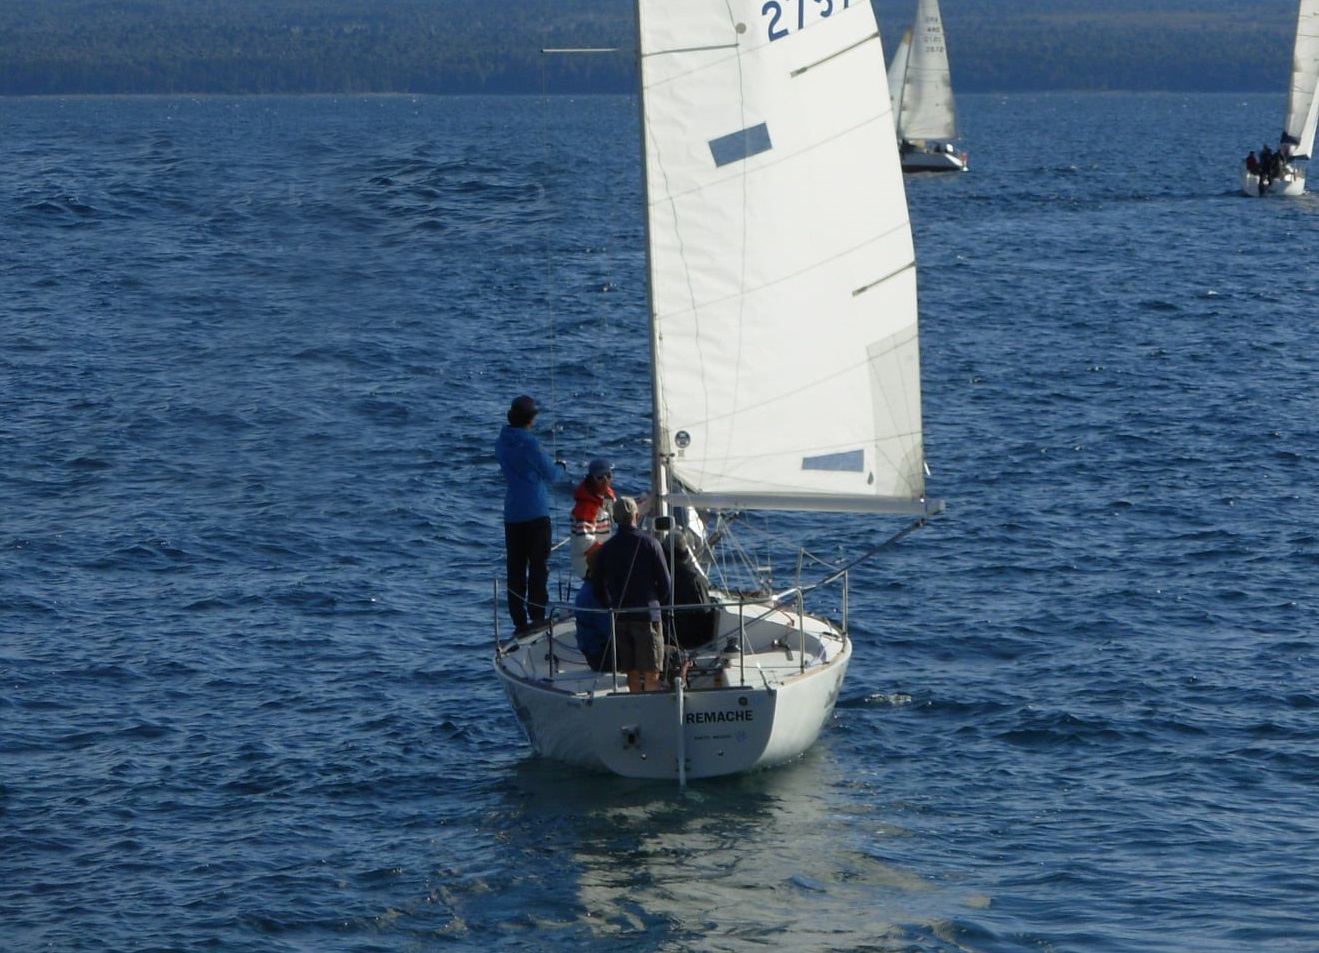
(756, 645)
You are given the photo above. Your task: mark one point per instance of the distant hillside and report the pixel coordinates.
(1182, 45)
(494, 46)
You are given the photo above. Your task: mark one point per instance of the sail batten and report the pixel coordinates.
(783, 292)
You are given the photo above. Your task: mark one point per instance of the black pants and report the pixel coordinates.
(528, 546)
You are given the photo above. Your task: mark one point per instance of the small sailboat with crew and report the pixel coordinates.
(921, 92)
(785, 377)
(1280, 172)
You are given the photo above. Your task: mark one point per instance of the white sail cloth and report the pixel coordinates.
(1303, 96)
(783, 283)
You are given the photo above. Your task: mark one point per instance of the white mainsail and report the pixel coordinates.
(927, 93)
(1302, 102)
(783, 283)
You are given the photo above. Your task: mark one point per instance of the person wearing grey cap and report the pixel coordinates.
(528, 533)
(630, 574)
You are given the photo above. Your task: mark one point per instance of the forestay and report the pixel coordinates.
(782, 272)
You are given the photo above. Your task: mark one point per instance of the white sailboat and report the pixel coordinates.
(1275, 172)
(921, 87)
(786, 373)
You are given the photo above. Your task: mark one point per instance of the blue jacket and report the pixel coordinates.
(527, 470)
(592, 627)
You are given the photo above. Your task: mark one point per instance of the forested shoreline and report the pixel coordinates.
(69, 47)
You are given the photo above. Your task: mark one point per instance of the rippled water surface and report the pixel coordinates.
(253, 355)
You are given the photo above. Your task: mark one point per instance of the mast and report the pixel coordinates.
(660, 451)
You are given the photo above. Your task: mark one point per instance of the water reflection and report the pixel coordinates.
(787, 857)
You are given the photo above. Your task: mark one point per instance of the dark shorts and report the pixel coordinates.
(640, 646)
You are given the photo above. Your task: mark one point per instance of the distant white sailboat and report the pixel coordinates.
(785, 375)
(1276, 172)
(921, 91)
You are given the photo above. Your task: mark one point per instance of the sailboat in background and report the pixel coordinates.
(785, 376)
(1276, 173)
(921, 90)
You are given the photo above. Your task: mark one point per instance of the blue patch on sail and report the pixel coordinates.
(853, 461)
(741, 145)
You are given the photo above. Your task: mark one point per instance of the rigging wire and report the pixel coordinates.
(590, 411)
(550, 336)
(564, 583)
(596, 261)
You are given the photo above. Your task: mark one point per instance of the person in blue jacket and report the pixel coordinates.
(527, 529)
(592, 628)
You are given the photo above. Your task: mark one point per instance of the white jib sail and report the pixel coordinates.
(1302, 101)
(897, 77)
(783, 281)
(927, 95)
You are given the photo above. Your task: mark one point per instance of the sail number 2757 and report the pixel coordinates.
(781, 19)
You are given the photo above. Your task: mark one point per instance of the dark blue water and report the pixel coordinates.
(253, 353)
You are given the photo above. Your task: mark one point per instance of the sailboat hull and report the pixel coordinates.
(915, 159)
(1291, 182)
(763, 708)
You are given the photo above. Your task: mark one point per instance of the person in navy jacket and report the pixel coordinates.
(527, 529)
(630, 574)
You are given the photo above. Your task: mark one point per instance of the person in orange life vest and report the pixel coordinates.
(590, 513)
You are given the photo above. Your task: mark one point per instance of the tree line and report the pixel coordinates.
(67, 47)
